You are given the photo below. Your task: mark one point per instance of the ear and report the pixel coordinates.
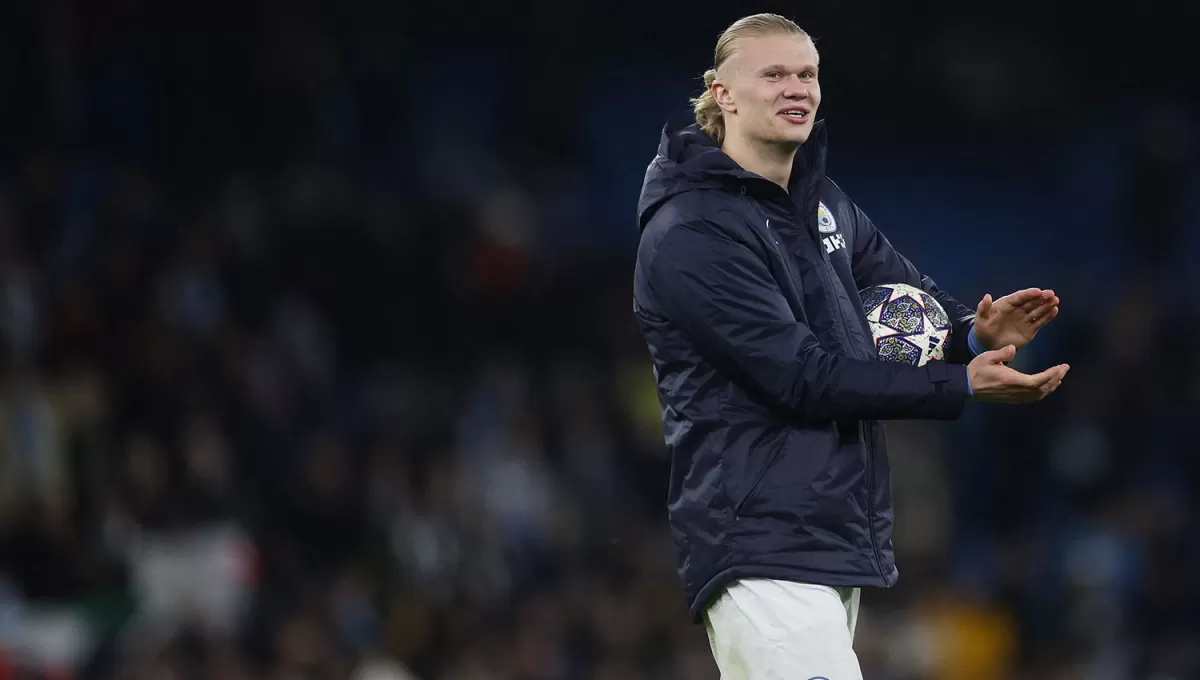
(723, 97)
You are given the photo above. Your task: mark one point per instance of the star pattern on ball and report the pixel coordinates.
(907, 324)
(934, 312)
(904, 315)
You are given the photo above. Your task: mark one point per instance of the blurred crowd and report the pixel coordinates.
(318, 361)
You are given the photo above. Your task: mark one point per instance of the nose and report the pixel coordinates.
(794, 88)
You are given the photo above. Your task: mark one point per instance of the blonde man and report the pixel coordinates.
(746, 290)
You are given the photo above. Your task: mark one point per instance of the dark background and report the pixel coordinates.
(318, 350)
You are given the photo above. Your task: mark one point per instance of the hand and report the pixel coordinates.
(1014, 319)
(992, 381)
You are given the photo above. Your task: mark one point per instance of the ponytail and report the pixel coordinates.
(708, 114)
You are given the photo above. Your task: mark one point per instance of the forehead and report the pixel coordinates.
(792, 51)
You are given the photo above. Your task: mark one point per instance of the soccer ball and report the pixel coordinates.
(908, 325)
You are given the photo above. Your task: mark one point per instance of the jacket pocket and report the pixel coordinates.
(759, 478)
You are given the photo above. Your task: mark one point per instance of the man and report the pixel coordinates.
(771, 391)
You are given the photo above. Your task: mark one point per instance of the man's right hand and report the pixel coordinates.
(992, 381)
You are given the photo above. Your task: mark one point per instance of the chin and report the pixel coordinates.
(794, 135)
(799, 135)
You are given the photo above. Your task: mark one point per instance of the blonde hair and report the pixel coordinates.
(708, 113)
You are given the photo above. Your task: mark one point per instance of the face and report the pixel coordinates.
(769, 90)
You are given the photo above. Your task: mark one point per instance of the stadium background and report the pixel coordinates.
(318, 353)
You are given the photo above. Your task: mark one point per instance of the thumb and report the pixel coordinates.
(985, 306)
(1002, 355)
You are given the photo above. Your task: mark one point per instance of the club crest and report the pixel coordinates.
(825, 223)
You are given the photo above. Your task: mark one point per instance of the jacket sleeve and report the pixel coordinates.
(876, 262)
(722, 294)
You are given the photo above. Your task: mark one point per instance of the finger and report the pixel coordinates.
(1002, 355)
(1041, 301)
(1041, 380)
(1053, 385)
(1042, 315)
(1060, 373)
(1057, 373)
(1040, 320)
(1042, 308)
(985, 306)
(1035, 383)
(1047, 298)
(1021, 297)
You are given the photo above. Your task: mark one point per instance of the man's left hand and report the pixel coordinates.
(1014, 319)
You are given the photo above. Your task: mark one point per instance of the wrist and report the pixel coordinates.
(974, 343)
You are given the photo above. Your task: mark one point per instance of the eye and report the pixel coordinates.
(808, 75)
(773, 75)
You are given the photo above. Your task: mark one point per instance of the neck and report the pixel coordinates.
(772, 161)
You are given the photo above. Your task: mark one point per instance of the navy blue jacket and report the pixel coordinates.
(770, 388)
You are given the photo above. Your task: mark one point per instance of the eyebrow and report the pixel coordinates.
(781, 67)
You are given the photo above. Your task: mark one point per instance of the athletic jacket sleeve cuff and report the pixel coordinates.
(973, 343)
(953, 387)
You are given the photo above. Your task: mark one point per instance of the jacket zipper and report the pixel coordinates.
(869, 440)
(831, 279)
(783, 255)
(827, 274)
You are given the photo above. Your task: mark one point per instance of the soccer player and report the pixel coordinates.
(746, 291)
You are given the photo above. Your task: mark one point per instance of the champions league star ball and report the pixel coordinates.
(909, 326)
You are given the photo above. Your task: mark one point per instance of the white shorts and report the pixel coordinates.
(762, 629)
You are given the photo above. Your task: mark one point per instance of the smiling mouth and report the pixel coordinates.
(795, 115)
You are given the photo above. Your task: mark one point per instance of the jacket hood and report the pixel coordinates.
(688, 159)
